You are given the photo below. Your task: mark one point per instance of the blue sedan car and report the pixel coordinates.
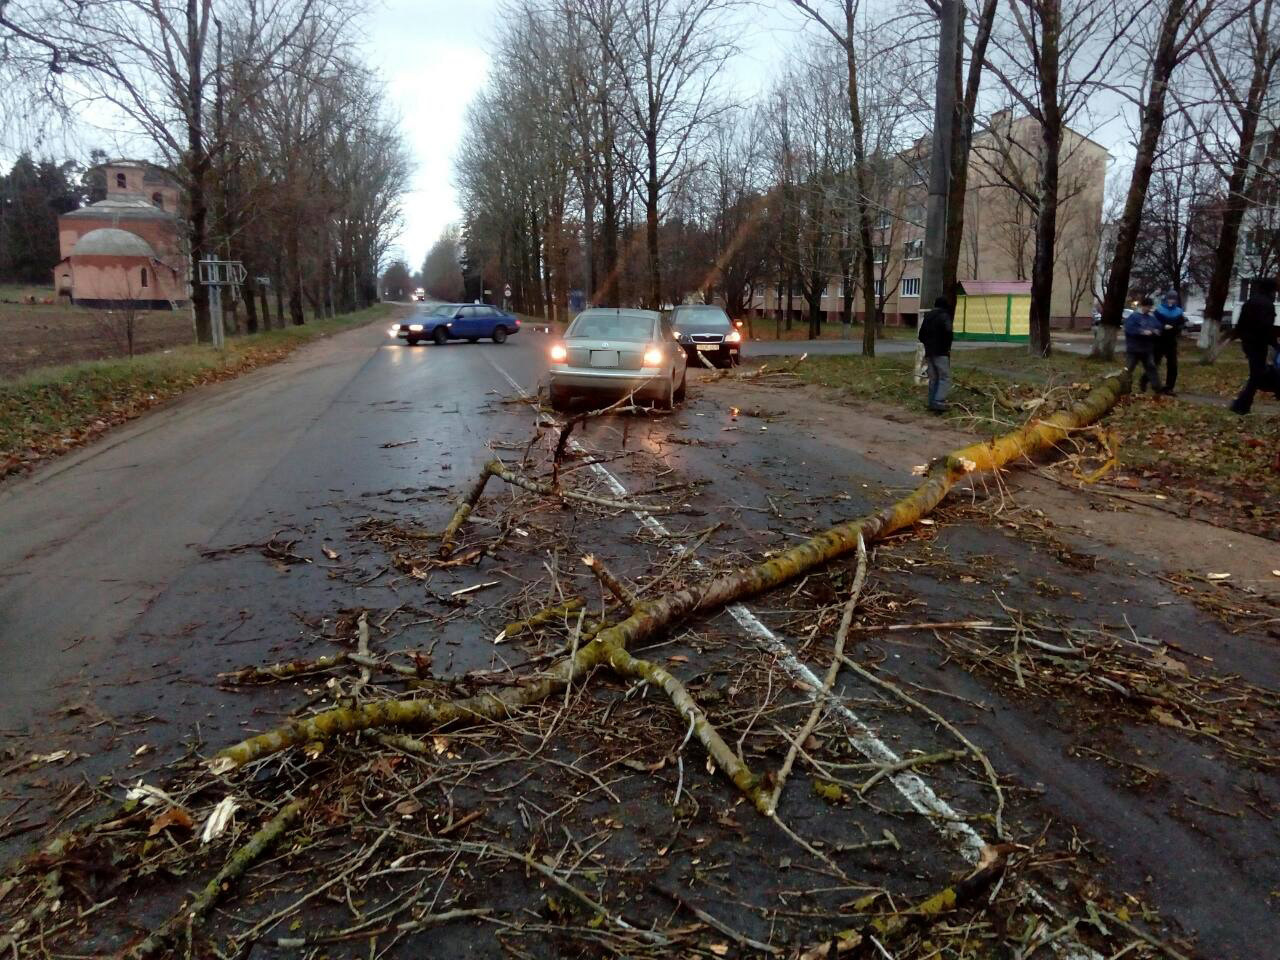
(458, 321)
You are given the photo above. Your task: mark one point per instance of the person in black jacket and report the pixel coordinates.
(936, 335)
(1256, 328)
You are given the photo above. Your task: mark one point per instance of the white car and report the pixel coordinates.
(615, 352)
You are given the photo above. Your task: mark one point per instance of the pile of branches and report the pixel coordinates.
(521, 800)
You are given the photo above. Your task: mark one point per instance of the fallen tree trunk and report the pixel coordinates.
(651, 618)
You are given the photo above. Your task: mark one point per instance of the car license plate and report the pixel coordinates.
(708, 346)
(604, 358)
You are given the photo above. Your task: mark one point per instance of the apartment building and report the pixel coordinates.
(999, 230)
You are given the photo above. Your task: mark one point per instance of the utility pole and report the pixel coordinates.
(935, 231)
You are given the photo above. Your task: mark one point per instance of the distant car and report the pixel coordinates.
(614, 352)
(1194, 324)
(419, 294)
(706, 329)
(458, 321)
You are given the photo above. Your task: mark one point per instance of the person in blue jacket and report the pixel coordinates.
(1141, 330)
(1172, 319)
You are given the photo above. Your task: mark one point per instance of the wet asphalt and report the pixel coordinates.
(126, 585)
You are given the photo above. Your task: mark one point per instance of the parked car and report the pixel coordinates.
(420, 294)
(614, 352)
(458, 321)
(1194, 324)
(706, 329)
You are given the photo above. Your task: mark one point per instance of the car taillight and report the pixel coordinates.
(653, 357)
(559, 354)
(733, 337)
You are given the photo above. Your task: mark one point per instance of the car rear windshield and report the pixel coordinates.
(611, 326)
(701, 321)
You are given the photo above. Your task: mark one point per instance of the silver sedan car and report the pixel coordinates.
(615, 352)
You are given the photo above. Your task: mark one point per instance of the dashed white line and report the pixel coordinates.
(916, 792)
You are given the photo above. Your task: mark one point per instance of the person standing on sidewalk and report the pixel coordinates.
(1141, 328)
(936, 335)
(1256, 329)
(1169, 313)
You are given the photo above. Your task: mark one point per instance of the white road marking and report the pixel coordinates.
(916, 792)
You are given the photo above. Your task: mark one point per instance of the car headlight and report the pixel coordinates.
(393, 331)
(559, 354)
(676, 334)
(653, 357)
(415, 327)
(733, 337)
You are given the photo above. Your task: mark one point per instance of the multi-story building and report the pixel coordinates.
(1258, 252)
(129, 248)
(999, 227)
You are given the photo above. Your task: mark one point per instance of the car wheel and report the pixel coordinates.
(500, 335)
(411, 341)
(682, 390)
(667, 400)
(560, 398)
(441, 336)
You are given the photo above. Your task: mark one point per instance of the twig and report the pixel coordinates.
(946, 724)
(820, 696)
(611, 582)
(709, 920)
(239, 862)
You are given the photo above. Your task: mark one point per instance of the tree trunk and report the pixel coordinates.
(1237, 201)
(950, 44)
(651, 218)
(815, 304)
(961, 141)
(1116, 291)
(1041, 342)
(196, 162)
(864, 191)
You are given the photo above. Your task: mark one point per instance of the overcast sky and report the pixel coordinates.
(435, 54)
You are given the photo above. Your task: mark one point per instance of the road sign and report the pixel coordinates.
(216, 274)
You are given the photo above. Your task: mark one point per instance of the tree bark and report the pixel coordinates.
(651, 215)
(1152, 123)
(1237, 201)
(197, 162)
(1041, 342)
(961, 143)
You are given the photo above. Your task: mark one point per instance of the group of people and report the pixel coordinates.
(1151, 335)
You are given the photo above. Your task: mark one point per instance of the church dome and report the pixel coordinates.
(110, 242)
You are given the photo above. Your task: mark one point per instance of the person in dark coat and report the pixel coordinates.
(936, 335)
(1256, 329)
(1169, 312)
(1141, 328)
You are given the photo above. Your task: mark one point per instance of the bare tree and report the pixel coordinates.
(1242, 69)
(1051, 56)
(1180, 26)
(668, 54)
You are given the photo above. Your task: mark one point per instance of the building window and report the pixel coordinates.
(879, 289)
(915, 213)
(144, 276)
(158, 199)
(120, 181)
(883, 220)
(880, 252)
(911, 286)
(913, 249)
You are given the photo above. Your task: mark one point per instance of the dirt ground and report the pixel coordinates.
(44, 335)
(1062, 686)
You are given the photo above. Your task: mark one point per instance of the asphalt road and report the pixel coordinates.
(134, 571)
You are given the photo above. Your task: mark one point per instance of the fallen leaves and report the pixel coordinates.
(220, 817)
(174, 817)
